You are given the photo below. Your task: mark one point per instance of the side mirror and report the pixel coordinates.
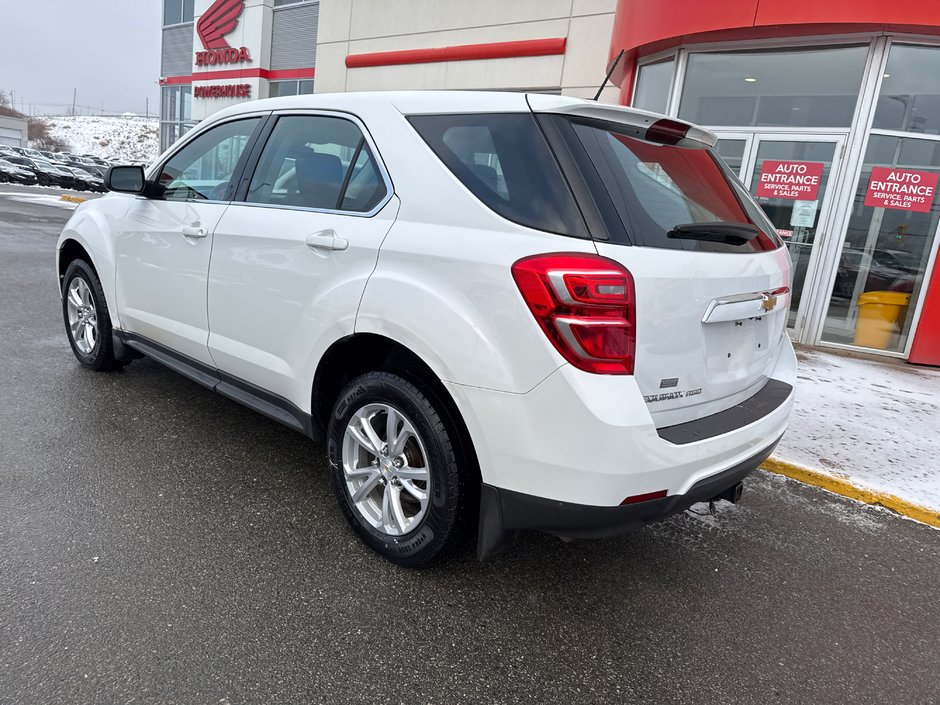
(125, 179)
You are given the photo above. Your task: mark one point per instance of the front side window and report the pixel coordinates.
(504, 161)
(203, 169)
(317, 162)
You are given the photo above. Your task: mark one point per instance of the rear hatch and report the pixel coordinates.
(710, 275)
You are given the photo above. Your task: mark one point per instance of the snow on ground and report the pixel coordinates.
(45, 199)
(118, 138)
(876, 424)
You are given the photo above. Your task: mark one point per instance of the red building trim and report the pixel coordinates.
(268, 74)
(464, 52)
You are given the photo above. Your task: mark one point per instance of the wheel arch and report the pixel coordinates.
(356, 354)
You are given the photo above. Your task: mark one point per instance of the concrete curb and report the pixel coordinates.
(842, 486)
(72, 199)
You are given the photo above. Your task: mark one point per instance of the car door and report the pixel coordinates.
(162, 251)
(292, 255)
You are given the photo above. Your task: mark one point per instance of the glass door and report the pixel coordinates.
(792, 178)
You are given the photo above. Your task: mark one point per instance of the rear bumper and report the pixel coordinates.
(503, 513)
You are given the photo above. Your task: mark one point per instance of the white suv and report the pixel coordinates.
(527, 311)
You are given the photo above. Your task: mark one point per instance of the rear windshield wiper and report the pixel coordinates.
(728, 233)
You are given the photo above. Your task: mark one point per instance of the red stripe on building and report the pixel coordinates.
(278, 75)
(465, 52)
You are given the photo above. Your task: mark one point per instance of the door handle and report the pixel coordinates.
(326, 240)
(193, 231)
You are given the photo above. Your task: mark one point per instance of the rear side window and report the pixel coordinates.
(657, 187)
(319, 162)
(504, 161)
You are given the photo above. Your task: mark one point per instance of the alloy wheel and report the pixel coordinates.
(83, 317)
(385, 468)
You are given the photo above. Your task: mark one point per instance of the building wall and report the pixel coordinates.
(13, 131)
(355, 27)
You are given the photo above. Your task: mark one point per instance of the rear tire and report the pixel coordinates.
(390, 444)
(87, 320)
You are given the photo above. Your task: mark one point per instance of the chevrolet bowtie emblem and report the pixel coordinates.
(769, 302)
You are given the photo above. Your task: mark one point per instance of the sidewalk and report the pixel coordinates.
(873, 423)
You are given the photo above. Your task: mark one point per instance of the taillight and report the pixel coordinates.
(585, 305)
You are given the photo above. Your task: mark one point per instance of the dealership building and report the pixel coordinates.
(828, 112)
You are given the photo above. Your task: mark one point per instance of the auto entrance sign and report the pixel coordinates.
(795, 181)
(901, 189)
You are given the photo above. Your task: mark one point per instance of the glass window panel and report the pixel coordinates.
(188, 10)
(306, 162)
(884, 255)
(731, 152)
(169, 98)
(202, 169)
(910, 91)
(306, 88)
(652, 86)
(779, 88)
(172, 12)
(504, 161)
(798, 227)
(277, 89)
(186, 103)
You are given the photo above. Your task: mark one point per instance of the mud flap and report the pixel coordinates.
(493, 538)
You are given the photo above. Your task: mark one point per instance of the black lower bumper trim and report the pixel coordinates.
(752, 409)
(503, 513)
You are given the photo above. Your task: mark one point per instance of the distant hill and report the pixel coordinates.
(128, 138)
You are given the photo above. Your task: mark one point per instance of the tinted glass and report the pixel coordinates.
(910, 91)
(307, 162)
(203, 168)
(504, 161)
(652, 86)
(657, 187)
(779, 88)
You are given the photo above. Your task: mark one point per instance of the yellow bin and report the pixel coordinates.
(878, 316)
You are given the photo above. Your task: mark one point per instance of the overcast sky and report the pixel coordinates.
(108, 49)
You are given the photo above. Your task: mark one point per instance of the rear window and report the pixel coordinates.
(504, 161)
(656, 187)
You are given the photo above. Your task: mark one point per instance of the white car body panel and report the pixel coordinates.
(162, 274)
(275, 304)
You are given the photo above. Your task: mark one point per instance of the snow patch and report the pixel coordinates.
(125, 138)
(873, 423)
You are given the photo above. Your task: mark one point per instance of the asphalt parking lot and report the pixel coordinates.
(161, 544)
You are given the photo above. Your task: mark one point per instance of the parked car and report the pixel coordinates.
(86, 181)
(56, 158)
(15, 173)
(47, 173)
(526, 311)
(6, 149)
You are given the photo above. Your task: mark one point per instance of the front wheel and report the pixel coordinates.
(87, 321)
(397, 469)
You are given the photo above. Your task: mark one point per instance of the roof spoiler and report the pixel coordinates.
(644, 125)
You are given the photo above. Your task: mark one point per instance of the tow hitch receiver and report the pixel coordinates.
(732, 494)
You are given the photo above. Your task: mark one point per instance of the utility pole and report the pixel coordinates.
(147, 109)
(74, 94)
